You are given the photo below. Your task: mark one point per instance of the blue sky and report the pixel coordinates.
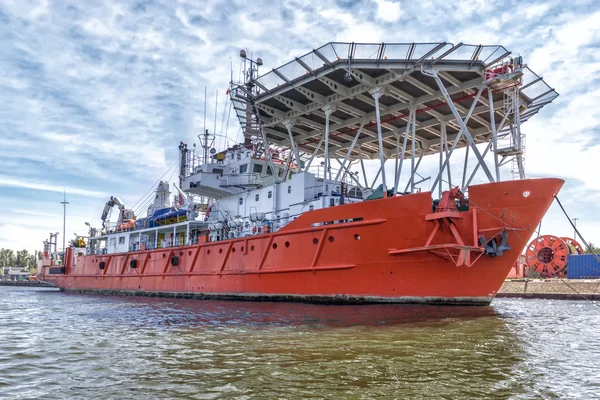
(97, 96)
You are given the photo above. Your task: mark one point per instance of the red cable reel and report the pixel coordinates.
(547, 255)
(574, 244)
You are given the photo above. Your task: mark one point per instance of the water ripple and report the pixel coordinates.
(60, 345)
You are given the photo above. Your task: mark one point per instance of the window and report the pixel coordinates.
(218, 171)
(243, 168)
(257, 197)
(269, 172)
(270, 194)
(280, 172)
(355, 192)
(239, 156)
(241, 201)
(257, 168)
(232, 154)
(289, 189)
(113, 241)
(122, 240)
(311, 207)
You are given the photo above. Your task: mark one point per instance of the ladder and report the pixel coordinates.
(511, 142)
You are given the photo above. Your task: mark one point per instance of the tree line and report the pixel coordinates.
(20, 259)
(592, 249)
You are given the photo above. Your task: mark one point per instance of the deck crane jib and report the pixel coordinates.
(126, 218)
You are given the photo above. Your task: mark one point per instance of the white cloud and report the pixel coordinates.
(14, 183)
(388, 11)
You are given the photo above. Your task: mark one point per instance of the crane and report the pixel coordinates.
(126, 216)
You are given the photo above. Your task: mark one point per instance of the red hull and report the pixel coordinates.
(360, 261)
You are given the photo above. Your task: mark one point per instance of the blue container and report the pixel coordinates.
(583, 266)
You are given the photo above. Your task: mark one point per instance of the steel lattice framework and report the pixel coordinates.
(401, 100)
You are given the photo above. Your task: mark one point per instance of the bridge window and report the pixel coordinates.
(243, 168)
(270, 194)
(218, 171)
(269, 172)
(257, 197)
(257, 168)
(355, 192)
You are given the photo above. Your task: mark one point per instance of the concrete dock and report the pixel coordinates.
(572, 289)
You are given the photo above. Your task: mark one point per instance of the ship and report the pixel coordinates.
(292, 211)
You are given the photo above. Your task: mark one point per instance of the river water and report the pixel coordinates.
(62, 345)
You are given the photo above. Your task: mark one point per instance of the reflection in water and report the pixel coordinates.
(69, 345)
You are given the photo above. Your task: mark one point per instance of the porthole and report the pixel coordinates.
(287, 244)
(526, 193)
(356, 236)
(242, 249)
(208, 251)
(252, 248)
(164, 255)
(181, 253)
(331, 239)
(220, 251)
(315, 241)
(274, 245)
(189, 253)
(233, 249)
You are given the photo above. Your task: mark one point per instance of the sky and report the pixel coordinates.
(96, 96)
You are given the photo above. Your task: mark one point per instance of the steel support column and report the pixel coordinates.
(376, 93)
(288, 124)
(462, 124)
(314, 154)
(489, 146)
(375, 179)
(445, 135)
(411, 182)
(442, 123)
(464, 177)
(350, 149)
(411, 117)
(494, 134)
(412, 155)
(362, 166)
(327, 110)
(456, 140)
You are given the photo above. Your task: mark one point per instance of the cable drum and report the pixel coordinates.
(547, 255)
(573, 244)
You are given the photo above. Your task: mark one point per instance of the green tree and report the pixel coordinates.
(22, 259)
(592, 249)
(7, 258)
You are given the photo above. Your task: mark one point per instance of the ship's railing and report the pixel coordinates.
(240, 179)
(163, 244)
(319, 172)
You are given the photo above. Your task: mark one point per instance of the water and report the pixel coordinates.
(60, 345)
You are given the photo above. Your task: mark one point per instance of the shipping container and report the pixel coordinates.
(583, 266)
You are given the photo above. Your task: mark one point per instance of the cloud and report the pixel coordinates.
(10, 182)
(388, 11)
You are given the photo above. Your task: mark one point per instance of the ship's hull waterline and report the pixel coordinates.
(320, 257)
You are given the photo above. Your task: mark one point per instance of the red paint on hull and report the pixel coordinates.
(347, 261)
